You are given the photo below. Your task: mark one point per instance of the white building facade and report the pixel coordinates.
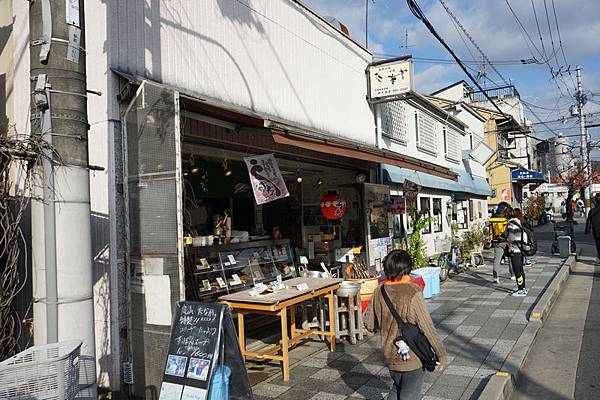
(445, 137)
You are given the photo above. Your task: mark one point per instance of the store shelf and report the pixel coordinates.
(206, 271)
(222, 248)
(203, 293)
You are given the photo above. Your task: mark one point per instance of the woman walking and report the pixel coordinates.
(407, 299)
(515, 237)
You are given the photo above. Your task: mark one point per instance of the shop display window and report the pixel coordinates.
(217, 270)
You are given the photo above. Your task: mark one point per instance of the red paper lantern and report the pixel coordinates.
(333, 207)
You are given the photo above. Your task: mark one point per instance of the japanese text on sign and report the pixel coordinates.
(390, 79)
(267, 182)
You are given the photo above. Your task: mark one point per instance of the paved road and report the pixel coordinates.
(563, 363)
(479, 321)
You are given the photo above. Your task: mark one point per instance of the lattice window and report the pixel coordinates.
(393, 121)
(427, 134)
(453, 145)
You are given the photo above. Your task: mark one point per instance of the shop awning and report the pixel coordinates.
(466, 182)
(524, 176)
(360, 152)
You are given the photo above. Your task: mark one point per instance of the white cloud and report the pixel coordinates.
(435, 77)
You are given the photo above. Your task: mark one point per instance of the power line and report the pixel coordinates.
(418, 13)
(543, 56)
(560, 43)
(546, 58)
(538, 27)
(551, 36)
(455, 19)
(449, 61)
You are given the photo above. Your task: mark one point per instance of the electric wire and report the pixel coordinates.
(538, 27)
(418, 13)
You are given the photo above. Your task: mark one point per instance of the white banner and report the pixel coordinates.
(267, 182)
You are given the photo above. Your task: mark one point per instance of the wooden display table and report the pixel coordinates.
(277, 304)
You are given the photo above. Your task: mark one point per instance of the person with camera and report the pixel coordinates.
(399, 312)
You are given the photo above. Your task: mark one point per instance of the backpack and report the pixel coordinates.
(413, 337)
(529, 246)
(497, 227)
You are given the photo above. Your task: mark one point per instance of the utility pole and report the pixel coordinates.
(61, 223)
(585, 155)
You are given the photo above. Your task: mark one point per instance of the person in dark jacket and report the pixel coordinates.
(515, 238)
(499, 241)
(593, 223)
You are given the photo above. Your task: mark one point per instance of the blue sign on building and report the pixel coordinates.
(527, 176)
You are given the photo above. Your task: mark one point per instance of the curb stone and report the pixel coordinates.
(544, 305)
(501, 385)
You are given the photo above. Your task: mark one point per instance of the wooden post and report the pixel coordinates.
(293, 320)
(331, 321)
(284, 344)
(359, 318)
(351, 320)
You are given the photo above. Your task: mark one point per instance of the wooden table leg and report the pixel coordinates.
(331, 321)
(351, 320)
(241, 334)
(293, 321)
(336, 301)
(284, 344)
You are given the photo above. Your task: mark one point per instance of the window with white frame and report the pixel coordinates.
(452, 145)
(471, 210)
(426, 133)
(425, 209)
(460, 214)
(437, 215)
(393, 121)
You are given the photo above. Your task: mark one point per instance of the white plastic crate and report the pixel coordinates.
(48, 372)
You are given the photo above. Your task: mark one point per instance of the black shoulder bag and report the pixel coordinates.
(413, 337)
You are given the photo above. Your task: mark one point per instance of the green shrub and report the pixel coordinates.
(416, 245)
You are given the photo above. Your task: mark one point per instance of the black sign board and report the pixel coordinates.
(203, 355)
(410, 189)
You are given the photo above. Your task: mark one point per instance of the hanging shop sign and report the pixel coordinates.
(410, 189)
(267, 182)
(389, 79)
(333, 207)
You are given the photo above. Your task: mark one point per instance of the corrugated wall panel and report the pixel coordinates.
(271, 56)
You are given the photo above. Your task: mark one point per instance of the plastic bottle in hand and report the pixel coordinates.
(403, 349)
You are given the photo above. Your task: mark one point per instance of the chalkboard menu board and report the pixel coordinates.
(203, 355)
(193, 351)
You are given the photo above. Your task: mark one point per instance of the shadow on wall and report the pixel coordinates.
(102, 298)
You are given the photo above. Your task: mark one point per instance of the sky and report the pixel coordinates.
(497, 33)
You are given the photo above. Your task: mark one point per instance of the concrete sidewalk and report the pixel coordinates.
(550, 370)
(479, 321)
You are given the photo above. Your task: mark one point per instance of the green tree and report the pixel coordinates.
(416, 245)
